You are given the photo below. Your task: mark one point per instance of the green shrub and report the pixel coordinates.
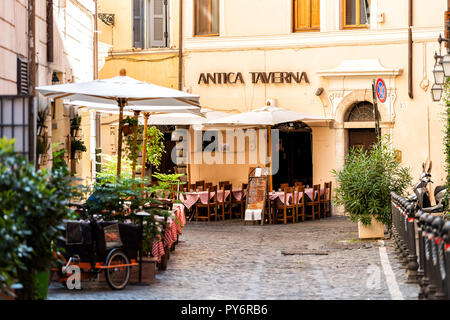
(36, 201)
(366, 181)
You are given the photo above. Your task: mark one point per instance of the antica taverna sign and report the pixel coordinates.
(256, 77)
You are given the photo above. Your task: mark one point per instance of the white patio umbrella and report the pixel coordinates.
(266, 116)
(123, 91)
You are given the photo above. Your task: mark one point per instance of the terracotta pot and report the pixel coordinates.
(374, 231)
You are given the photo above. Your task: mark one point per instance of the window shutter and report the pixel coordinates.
(158, 14)
(315, 14)
(22, 77)
(302, 18)
(138, 23)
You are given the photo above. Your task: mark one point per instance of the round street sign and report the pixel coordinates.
(381, 90)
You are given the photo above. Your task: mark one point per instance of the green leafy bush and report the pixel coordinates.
(118, 200)
(366, 181)
(36, 201)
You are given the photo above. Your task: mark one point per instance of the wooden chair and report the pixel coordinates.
(226, 203)
(284, 186)
(325, 201)
(191, 187)
(221, 183)
(298, 184)
(208, 185)
(241, 203)
(300, 210)
(288, 209)
(314, 203)
(200, 185)
(210, 206)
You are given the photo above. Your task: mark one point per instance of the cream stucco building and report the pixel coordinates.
(341, 46)
(61, 51)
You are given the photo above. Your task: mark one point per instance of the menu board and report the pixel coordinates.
(256, 198)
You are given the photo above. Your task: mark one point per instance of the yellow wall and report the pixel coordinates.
(156, 68)
(120, 35)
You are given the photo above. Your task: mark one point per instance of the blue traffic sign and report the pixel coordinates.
(381, 90)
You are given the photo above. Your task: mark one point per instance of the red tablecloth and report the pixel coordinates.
(190, 198)
(158, 249)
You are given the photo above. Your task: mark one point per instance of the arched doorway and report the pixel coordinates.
(361, 137)
(295, 154)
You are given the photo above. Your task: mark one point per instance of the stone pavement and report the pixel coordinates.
(229, 260)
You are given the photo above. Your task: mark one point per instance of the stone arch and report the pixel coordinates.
(353, 98)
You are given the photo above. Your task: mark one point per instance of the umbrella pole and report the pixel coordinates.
(269, 134)
(136, 132)
(119, 143)
(144, 145)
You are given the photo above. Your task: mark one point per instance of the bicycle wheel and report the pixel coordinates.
(117, 277)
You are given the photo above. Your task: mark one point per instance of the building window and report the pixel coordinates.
(306, 15)
(362, 111)
(150, 24)
(206, 16)
(356, 13)
(14, 122)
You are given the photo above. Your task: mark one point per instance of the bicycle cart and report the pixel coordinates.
(96, 246)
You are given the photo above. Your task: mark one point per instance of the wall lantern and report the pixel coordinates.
(436, 92)
(446, 65)
(438, 71)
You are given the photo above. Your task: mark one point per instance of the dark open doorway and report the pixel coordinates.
(295, 154)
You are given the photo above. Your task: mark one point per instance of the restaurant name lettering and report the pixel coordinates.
(256, 77)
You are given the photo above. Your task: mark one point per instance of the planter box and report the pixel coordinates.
(374, 231)
(148, 272)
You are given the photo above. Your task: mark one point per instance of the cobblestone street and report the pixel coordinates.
(229, 260)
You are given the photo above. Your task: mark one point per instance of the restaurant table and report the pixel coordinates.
(191, 198)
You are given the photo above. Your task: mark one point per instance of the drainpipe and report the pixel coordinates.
(97, 122)
(180, 48)
(32, 79)
(410, 50)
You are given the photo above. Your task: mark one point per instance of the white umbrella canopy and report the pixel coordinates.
(124, 91)
(111, 108)
(134, 92)
(266, 116)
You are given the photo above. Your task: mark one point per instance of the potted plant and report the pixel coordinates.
(365, 184)
(77, 146)
(129, 124)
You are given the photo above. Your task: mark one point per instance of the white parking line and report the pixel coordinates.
(394, 289)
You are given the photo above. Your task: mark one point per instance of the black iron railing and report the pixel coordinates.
(423, 246)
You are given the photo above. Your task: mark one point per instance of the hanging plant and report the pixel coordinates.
(75, 124)
(41, 119)
(155, 146)
(77, 145)
(129, 124)
(132, 143)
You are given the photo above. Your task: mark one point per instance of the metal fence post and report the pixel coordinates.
(411, 235)
(446, 244)
(430, 289)
(437, 225)
(421, 253)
